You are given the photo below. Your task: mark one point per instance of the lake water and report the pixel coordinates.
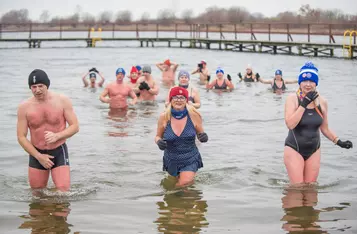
(116, 168)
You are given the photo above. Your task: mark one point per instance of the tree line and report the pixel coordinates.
(211, 15)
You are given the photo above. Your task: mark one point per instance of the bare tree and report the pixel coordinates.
(123, 17)
(105, 17)
(187, 16)
(145, 18)
(88, 19)
(166, 16)
(16, 17)
(237, 14)
(45, 16)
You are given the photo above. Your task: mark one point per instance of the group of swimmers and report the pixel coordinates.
(47, 114)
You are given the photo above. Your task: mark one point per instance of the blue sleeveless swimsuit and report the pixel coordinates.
(181, 153)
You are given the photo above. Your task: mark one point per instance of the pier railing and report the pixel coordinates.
(199, 31)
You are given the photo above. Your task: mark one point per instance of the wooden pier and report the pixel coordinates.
(199, 37)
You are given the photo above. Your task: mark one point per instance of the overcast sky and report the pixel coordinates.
(137, 7)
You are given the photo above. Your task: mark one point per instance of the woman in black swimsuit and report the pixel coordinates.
(220, 83)
(306, 116)
(278, 83)
(249, 75)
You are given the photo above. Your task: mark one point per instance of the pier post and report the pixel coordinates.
(274, 49)
(235, 31)
(141, 43)
(30, 31)
(180, 44)
(260, 48)
(169, 42)
(176, 31)
(208, 45)
(299, 50)
(60, 30)
(200, 45)
(220, 46)
(331, 52)
(157, 30)
(152, 43)
(289, 48)
(241, 47)
(316, 52)
(225, 46)
(308, 32)
(207, 31)
(114, 31)
(269, 28)
(137, 30)
(147, 43)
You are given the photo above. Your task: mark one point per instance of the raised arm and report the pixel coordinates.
(210, 85)
(261, 80)
(174, 66)
(291, 81)
(230, 84)
(101, 82)
(293, 113)
(84, 79)
(159, 65)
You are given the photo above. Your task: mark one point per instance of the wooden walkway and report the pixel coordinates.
(272, 47)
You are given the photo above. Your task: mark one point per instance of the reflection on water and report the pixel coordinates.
(47, 217)
(182, 212)
(300, 214)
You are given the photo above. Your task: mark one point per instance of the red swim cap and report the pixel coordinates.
(133, 69)
(167, 62)
(178, 91)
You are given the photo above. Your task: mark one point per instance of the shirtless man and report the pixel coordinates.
(118, 91)
(168, 69)
(146, 86)
(46, 115)
(203, 71)
(92, 78)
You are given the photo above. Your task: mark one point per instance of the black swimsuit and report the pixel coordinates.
(305, 137)
(223, 86)
(248, 79)
(276, 88)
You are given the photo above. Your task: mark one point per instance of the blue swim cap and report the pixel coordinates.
(92, 75)
(278, 72)
(309, 72)
(219, 70)
(120, 70)
(138, 67)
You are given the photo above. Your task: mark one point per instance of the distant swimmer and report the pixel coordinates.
(305, 116)
(168, 69)
(220, 83)
(46, 114)
(92, 78)
(177, 130)
(146, 86)
(278, 83)
(193, 94)
(118, 92)
(249, 75)
(202, 70)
